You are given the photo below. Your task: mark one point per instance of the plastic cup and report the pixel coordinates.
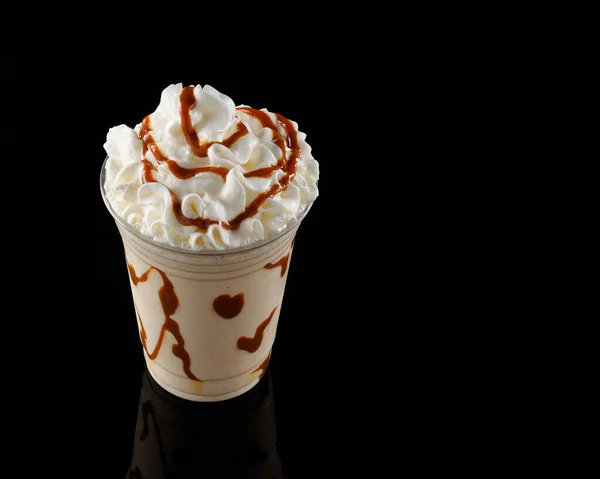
(207, 320)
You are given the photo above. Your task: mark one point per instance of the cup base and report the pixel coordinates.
(198, 398)
(205, 391)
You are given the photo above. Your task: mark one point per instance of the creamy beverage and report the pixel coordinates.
(207, 198)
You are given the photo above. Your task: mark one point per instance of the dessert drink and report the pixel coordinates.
(207, 198)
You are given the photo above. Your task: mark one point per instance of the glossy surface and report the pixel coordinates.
(180, 439)
(318, 383)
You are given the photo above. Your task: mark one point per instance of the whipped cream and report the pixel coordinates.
(201, 174)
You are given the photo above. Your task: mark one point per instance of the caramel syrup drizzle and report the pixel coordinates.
(263, 366)
(283, 263)
(252, 344)
(170, 303)
(287, 164)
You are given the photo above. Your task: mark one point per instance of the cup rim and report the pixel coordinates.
(174, 249)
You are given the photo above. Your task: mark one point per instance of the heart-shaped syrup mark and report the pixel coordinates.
(227, 306)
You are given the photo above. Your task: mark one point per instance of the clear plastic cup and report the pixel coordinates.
(207, 320)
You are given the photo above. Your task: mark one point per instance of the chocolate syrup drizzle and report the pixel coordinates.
(170, 303)
(283, 263)
(252, 344)
(287, 165)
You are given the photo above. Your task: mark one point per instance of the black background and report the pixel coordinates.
(369, 355)
(324, 356)
(369, 368)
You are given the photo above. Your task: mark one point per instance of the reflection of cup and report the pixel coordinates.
(180, 439)
(207, 320)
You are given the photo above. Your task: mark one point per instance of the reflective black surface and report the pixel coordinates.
(179, 439)
(322, 369)
(299, 419)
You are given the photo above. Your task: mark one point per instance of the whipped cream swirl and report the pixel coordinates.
(201, 174)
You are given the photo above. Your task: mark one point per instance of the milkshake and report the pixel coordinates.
(207, 198)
